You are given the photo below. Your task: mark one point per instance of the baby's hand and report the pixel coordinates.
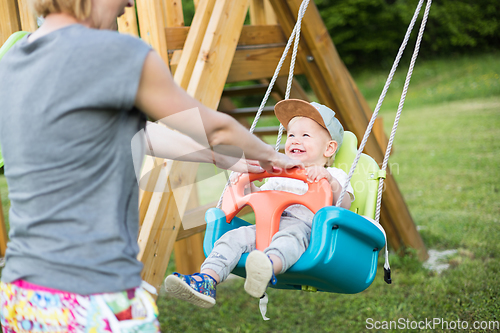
(235, 176)
(316, 173)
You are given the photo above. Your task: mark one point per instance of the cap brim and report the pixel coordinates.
(287, 109)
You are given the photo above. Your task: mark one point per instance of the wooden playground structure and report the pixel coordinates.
(216, 49)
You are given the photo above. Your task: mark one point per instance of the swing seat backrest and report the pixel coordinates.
(14, 38)
(365, 178)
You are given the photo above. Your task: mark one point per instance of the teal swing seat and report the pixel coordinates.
(343, 252)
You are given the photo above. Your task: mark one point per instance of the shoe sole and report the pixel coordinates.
(259, 272)
(181, 290)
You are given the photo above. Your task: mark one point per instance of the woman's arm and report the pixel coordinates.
(161, 98)
(161, 141)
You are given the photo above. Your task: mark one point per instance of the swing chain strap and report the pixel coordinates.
(300, 16)
(296, 28)
(387, 267)
(379, 103)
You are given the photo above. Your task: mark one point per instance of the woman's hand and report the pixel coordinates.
(280, 161)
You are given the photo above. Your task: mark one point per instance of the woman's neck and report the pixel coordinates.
(54, 22)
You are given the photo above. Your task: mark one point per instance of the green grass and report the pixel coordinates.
(446, 162)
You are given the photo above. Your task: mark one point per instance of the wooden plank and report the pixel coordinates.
(3, 232)
(257, 13)
(258, 63)
(261, 34)
(217, 50)
(174, 14)
(176, 37)
(174, 61)
(255, 89)
(188, 252)
(378, 131)
(296, 91)
(9, 19)
(249, 112)
(27, 16)
(152, 25)
(270, 15)
(127, 23)
(250, 35)
(267, 130)
(320, 59)
(193, 42)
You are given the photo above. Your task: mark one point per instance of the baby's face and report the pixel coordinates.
(307, 141)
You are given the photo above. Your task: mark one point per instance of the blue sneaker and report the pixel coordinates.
(185, 287)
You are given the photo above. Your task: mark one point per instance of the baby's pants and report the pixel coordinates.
(289, 243)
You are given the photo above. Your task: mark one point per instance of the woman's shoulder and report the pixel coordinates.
(106, 39)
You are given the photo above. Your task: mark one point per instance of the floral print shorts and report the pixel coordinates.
(26, 307)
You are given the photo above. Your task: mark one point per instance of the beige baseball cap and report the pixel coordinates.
(287, 109)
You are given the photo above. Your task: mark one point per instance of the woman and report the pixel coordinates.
(71, 94)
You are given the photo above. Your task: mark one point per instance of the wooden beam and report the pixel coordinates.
(174, 14)
(217, 50)
(334, 87)
(250, 35)
(4, 238)
(257, 12)
(296, 92)
(261, 34)
(267, 130)
(9, 19)
(188, 251)
(194, 39)
(152, 25)
(249, 112)
(270, 15)
(256, 89)
(27, 16)
(258, 63)
(127, 23)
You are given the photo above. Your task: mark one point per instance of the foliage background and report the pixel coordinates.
(367, 33)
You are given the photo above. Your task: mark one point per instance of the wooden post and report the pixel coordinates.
(152, 25)
(193, 42)
(28, 18)
(9, 19)
(257, 12)
(3, 232)
(127, 23)
(334, 87)
(188, 252)
(175, 16)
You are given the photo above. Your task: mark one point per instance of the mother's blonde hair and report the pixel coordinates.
(80, 9)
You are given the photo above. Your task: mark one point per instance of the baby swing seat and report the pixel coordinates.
(343, 252)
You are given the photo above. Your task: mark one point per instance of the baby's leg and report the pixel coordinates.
(289, 243)
(227, 252)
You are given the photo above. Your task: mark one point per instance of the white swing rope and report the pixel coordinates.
(398, 114)
(295, 33)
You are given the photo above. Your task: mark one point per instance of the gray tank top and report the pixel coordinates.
(67, 118)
